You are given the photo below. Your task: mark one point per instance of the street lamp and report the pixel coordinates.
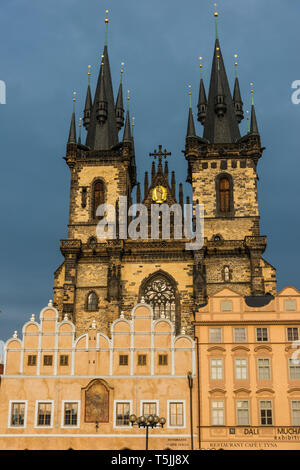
(150, 421)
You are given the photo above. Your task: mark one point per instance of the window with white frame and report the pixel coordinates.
(266, 412)
(176, 414)
(217, 413)
(262, 334)
(239, 335)
(295, 404)
(70, 413)
(242, 412)
(149, 408)
(241, 369)
(17, 414)
(292, 334)
(294, 368)
(264, 368)
(44, 414)
(215, 335)
(122, 413)
(216, 369)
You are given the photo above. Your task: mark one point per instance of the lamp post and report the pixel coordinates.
(150, 421)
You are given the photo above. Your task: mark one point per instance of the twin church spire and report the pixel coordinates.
(103, 117)
(220, 113)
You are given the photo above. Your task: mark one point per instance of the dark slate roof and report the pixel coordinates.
(220, 129)
(72, 133)
(105, 136)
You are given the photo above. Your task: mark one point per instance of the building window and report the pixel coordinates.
(262, 334)
(176, 414)
(98, 197)
(17, 416)
(123, 360)
(48, 360)
(149, 408)
(264, 369)
(226, 306)
(239, 335)
(224, 194)
(292, 334)
(216, 369)
(242, 413)
(70, 414)
(162, 359)
(142, 359)
(44, 414)
(295, 413)
(294, 368)
(266, 413)
(122, 413)
(217, 413)
(92, 302)
(31, 360)
(215, 335)
(241, 369)
(160, 293)
(64, 360)
(290, 305)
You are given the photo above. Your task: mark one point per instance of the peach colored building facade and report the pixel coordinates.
(61, 392)
(249, 372)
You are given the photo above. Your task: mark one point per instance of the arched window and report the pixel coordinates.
(98, 196)
(92, 302)
(160, 293)
(224, 194)
(226, 273)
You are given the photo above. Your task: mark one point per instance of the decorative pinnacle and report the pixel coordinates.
(218, 57)
(102, 59)
(252, 93)
(122, 70)
(235, 63)
(216, 15)
(201, 66)
(106, 26)
(128, 99)
(79, 125)
(190, 96)
(74, 100)
(89, 73)
(133, 124)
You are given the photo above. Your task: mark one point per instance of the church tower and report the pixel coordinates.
(222, 169)
(101, 278)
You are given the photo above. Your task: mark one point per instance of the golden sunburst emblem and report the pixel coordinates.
(159, 194)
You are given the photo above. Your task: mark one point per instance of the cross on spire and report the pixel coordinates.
(160, 154)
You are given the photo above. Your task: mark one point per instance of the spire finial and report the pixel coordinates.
(235, 64)
(128, 99)
(89, 74)
(216, 15)
(190, 96)
(252, 93)
(79, 130)
(201, 66)
(122, 70)
(106, 26)
(132, 125)
(74, 100)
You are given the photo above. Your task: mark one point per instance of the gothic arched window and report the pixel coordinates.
(226, 274)
(224, 194)
(98, 196)
(160, 293)
(92, 302)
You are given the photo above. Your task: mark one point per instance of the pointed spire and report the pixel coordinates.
(127, 137)
(119, 103)
(88, 103)
(254, 126)
(146, 185)
(221, 125)
(181, 195)
(79, 131)
(202, 100)
(72, 132)
(191, 132)
(153, 171)
(103, 132)
(237, 99)
(166, 170)
(173, 184)
(138, 193)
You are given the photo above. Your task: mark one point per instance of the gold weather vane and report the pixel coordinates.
(89, 73)
(201, 66)
(252, 92)
(122, 69)
(216, 15)
(235, 63)
(106, 21)
(74, 100)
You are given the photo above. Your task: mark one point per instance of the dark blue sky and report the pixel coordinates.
(45, 48)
